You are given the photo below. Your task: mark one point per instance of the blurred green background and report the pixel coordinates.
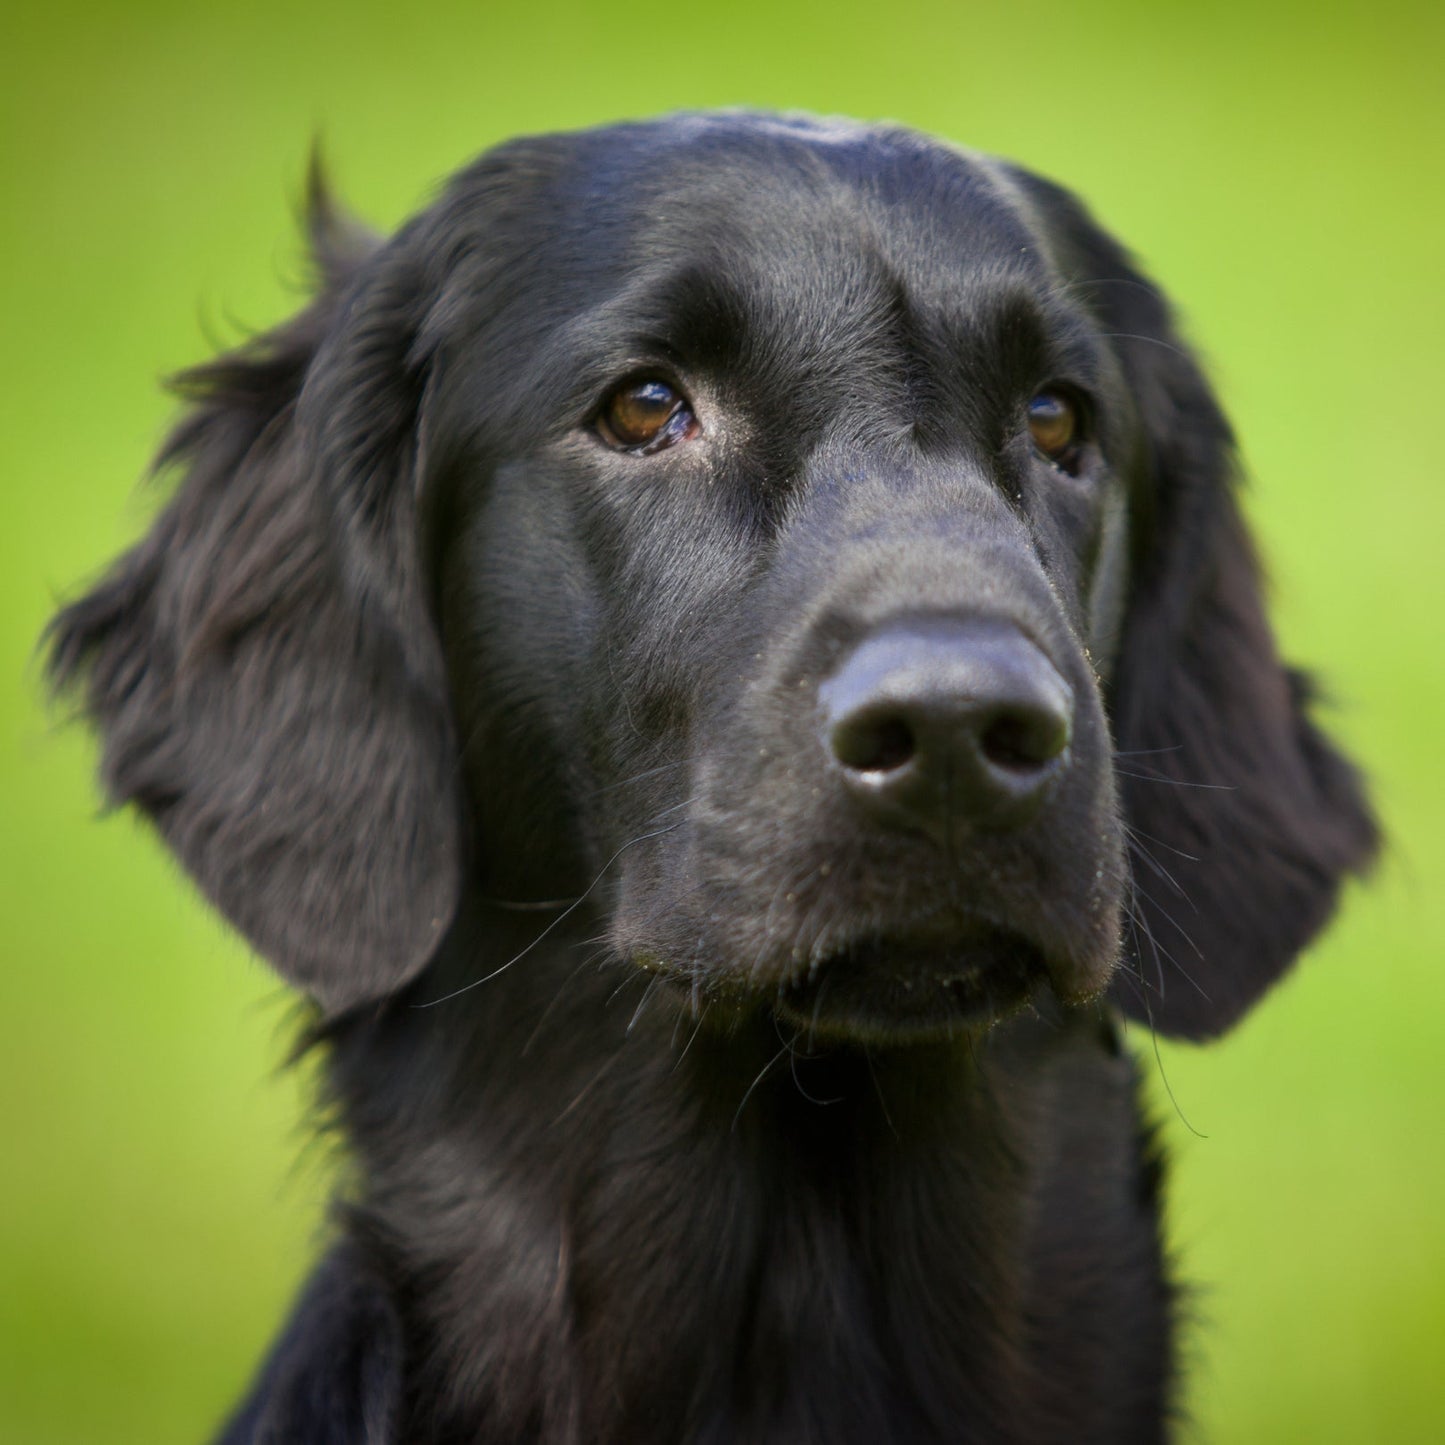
(1280, 169)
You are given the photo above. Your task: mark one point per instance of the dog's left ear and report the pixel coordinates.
(1244, 819)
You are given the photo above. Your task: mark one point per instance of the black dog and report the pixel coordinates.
(677, 652)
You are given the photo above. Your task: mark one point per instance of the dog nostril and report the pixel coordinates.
(876, 745)
(1024, 742)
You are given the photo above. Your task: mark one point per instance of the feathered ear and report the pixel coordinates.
(1244, 818)
(262, 667)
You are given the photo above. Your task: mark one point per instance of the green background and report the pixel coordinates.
(1280, 170)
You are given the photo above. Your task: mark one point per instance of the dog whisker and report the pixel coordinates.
(652, 983)
(541, 905)
(1164, 1073)
(667, 767)
(1136, 832)
(1157, 868)
(1158, 341)
(878, 1090)
(557, 995)
(757, 1079)
(1174, 922)
(561, 917)
(791, 1046)
(607, 1066)
(1175, 782)
(699, 1016)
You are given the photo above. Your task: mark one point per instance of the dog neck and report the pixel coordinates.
(616, 1212)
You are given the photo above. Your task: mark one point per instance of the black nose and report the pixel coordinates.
(937, 723)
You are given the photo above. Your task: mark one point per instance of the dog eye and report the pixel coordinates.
(1055, 428)
(645, 416)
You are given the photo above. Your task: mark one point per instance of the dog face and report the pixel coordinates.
(769, 531)
(831, 523)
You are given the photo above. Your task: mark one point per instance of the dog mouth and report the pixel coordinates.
(888, 956)
(901, 987)
(885, 987)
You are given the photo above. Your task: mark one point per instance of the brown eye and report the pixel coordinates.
(645, 416)
(1054, 426)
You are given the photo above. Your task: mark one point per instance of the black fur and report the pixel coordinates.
(686, 1100)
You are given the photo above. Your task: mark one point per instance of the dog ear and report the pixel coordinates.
(1243, 818)
(263, 668)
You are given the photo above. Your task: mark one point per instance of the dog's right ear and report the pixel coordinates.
(263, 668)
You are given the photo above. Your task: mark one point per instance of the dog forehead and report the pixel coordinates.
(780, 196)
(788, 202)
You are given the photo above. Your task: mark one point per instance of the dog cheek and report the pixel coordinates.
(519, 612)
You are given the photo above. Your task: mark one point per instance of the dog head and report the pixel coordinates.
(809, 543)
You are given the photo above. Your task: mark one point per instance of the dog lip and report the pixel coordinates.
(916, 983)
